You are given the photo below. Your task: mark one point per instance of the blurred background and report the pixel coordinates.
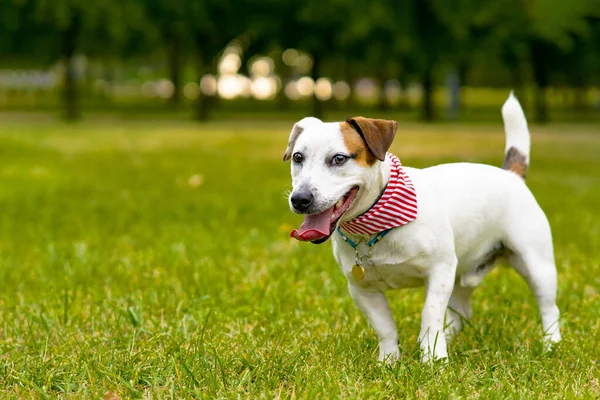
(421, 59)
(146, 255)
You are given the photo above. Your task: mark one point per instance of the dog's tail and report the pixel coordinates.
(518, 143)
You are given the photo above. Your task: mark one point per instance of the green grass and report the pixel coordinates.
(151, 259)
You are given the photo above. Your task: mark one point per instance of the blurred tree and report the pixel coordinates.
(213, 24)
(44, 31)
(318, 30)
(470, 26)
(11, 18)
(66, 24)
(169, 19)
(583, 63)
(267, 34)
(127, 33)
(554, 29)
(549, 42)
(377, 49)
(432, 44)
(313, 26)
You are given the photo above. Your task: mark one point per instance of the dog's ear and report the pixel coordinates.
(296, 131)
(378, 134)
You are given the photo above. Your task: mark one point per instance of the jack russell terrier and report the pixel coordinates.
(398, 227)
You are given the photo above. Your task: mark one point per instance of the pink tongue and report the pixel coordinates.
(314, 227)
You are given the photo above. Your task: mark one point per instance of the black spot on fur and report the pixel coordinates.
(516, 162)
(491, 257)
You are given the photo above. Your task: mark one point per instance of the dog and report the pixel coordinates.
(449, 224)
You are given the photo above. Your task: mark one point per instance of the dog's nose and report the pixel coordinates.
(302, 200)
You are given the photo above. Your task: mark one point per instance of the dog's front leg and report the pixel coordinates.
(438, 289)
(375, 307)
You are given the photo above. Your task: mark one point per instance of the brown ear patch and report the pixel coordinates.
(356, 145)
(378, 134)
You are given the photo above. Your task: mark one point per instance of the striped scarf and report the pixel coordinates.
(397, 205)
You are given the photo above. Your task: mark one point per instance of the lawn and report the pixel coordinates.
(152, 259)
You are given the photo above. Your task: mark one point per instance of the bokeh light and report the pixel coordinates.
(305, 86)
(323, 89)
(149, 89)
(191, 90)
(367, 89)
(228, 87)
(414, 91)
(235, 47)
(230, 64)
(264, 88)
(262, 66)
(290, 57)
(304, 63)
(393, 91)
(164, 88)
(291, 90)
(245, 86)
(341, 90)
(208, 85)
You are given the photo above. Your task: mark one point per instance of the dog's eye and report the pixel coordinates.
(339, 159)
(298, 158)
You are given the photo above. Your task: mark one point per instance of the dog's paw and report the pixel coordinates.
(389, 355)
(551, 342)
(451, 331)
(428, 356)
(428, 359)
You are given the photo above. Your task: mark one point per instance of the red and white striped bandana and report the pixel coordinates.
(397, 205)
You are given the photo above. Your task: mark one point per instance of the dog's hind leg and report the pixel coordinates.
(459, 310)
(459, 306)
(536, 265)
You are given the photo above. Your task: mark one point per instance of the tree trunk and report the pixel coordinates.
(204, 103)
(203, 66)
(69, 45)
(317, 104)
(174, 61)
(109, 79)
(519, 86)
(382, 105)
(427, 113)
(403, 103)
(203, 100)
(463, 72)
(453, 88)
(348, 76)
(283, 103)
(541, 107)
(540, 74)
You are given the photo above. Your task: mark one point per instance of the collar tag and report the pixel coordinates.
(362, 251)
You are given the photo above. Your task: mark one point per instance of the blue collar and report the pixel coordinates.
(370, 243)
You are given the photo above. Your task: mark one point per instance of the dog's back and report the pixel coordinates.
(485, 204)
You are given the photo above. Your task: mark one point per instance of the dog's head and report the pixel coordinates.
(333, 165)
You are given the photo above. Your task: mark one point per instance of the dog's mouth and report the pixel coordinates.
(317, 228)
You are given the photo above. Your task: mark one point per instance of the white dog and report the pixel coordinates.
(442, 227)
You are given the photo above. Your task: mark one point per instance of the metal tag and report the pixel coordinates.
(358, 272)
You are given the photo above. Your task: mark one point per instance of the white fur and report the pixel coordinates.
(515, 126)
(464, 211)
